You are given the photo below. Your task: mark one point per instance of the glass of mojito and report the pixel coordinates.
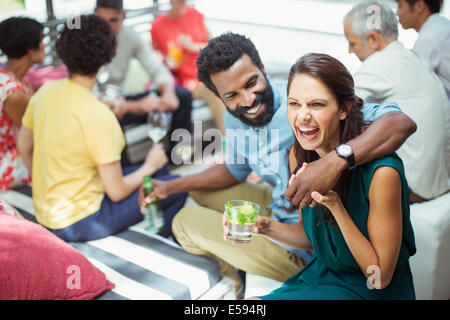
(241, 216)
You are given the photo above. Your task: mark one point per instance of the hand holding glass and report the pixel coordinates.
(241, 217)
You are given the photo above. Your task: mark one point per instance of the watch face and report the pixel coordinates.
(345, 150)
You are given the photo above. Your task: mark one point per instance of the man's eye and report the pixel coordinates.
(251, 83)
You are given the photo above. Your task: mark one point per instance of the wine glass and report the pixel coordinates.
(113, 94)
(158, 125)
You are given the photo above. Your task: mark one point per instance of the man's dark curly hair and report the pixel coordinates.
(18, 35)
(84, 50)
(221, 53)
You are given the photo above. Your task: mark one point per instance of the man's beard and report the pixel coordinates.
(266, 98)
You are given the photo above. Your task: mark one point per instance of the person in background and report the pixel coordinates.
(433, 43)
(361, 231)
(72, 144)
(135, 109)
(21, 41)
(179, 36)
(390, 72)
(259, 139)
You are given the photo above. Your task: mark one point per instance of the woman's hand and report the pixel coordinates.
(262, 225)
(330, 200)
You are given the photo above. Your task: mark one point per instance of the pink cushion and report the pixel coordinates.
(36, 77)
(37, 265)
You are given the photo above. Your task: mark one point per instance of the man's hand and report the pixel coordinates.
(169, 102)
(150, 104)
(160, 191)
(320, 175)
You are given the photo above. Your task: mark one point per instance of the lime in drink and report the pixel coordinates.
(241, 215)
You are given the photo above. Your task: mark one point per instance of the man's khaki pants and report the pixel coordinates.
(199, 231)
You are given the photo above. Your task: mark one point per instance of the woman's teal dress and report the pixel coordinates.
(333, 273)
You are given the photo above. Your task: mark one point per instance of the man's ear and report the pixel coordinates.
(373, 41)
(420, 6)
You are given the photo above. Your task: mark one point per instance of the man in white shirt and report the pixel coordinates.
(433, 43)
(391, 72)
(134, 109)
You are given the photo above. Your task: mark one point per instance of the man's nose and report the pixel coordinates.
(248, 97)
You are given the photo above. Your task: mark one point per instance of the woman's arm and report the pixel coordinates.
(117, 186)
(289, 235)
(15, 106)
(384, 225)
(25, 145)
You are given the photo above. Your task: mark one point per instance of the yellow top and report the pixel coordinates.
(73, 133)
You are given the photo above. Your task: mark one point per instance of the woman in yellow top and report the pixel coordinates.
(72, 143)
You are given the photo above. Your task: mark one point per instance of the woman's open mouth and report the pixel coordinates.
(308, 133)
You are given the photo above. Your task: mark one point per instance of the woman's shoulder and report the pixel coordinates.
(392, 160)
(8, 83)
(367, 170)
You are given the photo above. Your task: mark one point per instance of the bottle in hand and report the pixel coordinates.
(153, 212)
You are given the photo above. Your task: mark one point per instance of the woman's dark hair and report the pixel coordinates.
(340, 82)
(221, 53)
(18, 35)
(85, 49)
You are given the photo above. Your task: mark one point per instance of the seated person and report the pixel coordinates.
(433, 43)
(71, 142)
(179, 36)
(14, 94)
(389, 72)
(259, 139)
(136, 108)
(370, 200)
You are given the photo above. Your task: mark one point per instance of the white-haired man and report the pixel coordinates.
(390, 72)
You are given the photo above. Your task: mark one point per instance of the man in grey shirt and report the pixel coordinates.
(134, 109)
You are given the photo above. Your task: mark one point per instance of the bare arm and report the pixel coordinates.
(384, 225)
(383, 137)
(15, 106)
(117, 186)
(217, 177)
(25, 145)
(290, 235)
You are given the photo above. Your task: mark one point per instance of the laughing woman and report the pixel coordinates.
(360, 232)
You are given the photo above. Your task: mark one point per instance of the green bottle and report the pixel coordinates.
(153, 213)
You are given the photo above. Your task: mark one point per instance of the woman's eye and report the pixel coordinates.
(293, 104)
(317, 104)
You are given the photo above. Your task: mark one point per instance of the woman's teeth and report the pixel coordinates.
(308, 132)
